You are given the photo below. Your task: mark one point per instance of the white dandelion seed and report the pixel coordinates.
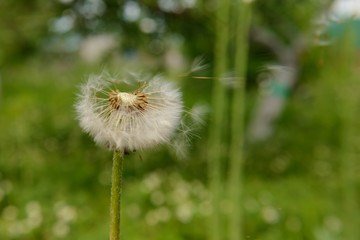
(142, 118)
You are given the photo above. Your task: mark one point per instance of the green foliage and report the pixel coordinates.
(55, 183)
(23, 25)
(289, 18)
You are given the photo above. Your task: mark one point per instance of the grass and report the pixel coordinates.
(237, 154)
(216, 149)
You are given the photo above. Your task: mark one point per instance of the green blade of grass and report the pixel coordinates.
(243, 11)
(217, 120)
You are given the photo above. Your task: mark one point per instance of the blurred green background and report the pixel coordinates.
(301, 172)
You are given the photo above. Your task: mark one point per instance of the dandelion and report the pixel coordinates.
(143, 118)
(126, 121)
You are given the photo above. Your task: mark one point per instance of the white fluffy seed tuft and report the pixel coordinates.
(143, 118)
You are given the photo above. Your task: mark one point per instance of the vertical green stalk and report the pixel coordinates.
(243, 13)
(348, 170)
(116, 195)
(217, 120)
(342, 80)
(350, 149)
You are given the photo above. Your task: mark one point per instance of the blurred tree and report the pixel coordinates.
(23, 25)
(146, 26)
(286, 30)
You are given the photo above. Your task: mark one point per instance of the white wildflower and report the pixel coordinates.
(141, 118)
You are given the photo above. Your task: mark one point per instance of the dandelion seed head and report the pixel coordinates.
(120, 119)
(198, 64)
(198, 113)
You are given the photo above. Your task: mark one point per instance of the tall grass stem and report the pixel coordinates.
(350, 148)
(243, 11)
(215, 148)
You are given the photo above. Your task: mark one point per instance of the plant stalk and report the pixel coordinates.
(348, 98)
(215, 148)
(116, 195)
(237, 121)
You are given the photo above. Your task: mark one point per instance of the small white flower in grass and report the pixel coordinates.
(129, 120)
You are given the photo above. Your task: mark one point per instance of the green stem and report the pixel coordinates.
(116, 195)
(217, 121)
(237, 121)
(349, 104)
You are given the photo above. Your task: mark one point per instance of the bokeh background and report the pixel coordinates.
(300, 174)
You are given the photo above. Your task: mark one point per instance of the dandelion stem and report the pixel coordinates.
(116, 195)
